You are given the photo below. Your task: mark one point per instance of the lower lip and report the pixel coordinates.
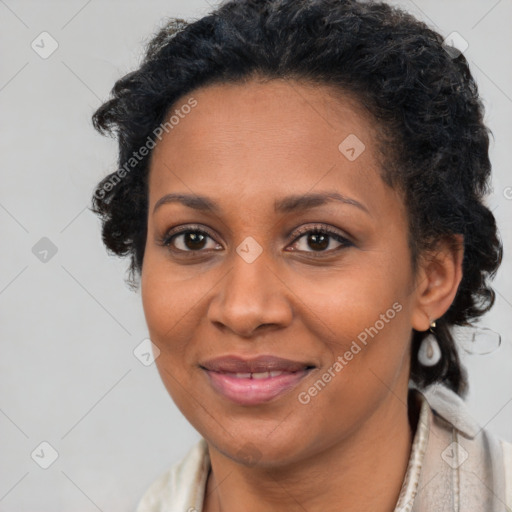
(254, 391)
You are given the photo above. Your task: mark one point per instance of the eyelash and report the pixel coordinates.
(167, 239)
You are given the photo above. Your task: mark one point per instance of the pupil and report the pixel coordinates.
(314, 238)
(196, 240)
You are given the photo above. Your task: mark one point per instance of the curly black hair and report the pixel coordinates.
(421, 94)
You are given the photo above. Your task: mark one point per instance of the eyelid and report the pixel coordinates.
(187, 227)
(322, 228)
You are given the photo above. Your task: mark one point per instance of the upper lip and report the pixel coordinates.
(265, 363)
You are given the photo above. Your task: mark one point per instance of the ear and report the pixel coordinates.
(438, 277)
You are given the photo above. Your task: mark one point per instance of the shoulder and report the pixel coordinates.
(181, 488)
(475, 459)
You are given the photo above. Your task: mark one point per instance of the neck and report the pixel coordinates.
(364, 471)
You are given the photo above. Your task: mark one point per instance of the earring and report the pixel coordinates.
(429, 353)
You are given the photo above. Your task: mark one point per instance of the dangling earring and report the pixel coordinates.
(429, 353)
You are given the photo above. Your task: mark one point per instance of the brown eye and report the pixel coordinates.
(189, 240)
(319, 239)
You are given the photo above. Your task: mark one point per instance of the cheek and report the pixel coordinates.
(366, 320)
(362, 315)
(353, 298)
(165, 297)
(168, 310)
(167, 303)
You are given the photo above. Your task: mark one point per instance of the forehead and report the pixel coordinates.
(298, 110)
(263, 137)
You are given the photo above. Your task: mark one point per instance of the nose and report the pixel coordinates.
(251, 296)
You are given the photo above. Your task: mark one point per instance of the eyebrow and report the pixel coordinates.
(289, 204)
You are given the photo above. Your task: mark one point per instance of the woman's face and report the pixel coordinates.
(244, 288)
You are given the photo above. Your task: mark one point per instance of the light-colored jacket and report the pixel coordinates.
(454, 466)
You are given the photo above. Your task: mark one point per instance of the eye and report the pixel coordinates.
(320, 239)
(189, 239)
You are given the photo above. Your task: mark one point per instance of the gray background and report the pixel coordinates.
(68, 375)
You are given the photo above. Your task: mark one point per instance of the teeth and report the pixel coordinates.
(261, 375)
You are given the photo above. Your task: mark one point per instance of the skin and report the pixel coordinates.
(246, 146)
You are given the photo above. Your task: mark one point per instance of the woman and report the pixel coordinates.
(300, 189)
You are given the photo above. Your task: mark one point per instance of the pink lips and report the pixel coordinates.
(254, 381)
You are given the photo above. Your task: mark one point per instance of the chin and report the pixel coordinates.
(265, 448)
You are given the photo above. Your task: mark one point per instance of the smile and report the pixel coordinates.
(254, 381)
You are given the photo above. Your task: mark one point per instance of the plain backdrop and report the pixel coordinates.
(69, 324)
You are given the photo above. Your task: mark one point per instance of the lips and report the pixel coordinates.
(254, 381)
(260, 364)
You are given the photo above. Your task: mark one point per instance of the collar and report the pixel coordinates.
(418, 450)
